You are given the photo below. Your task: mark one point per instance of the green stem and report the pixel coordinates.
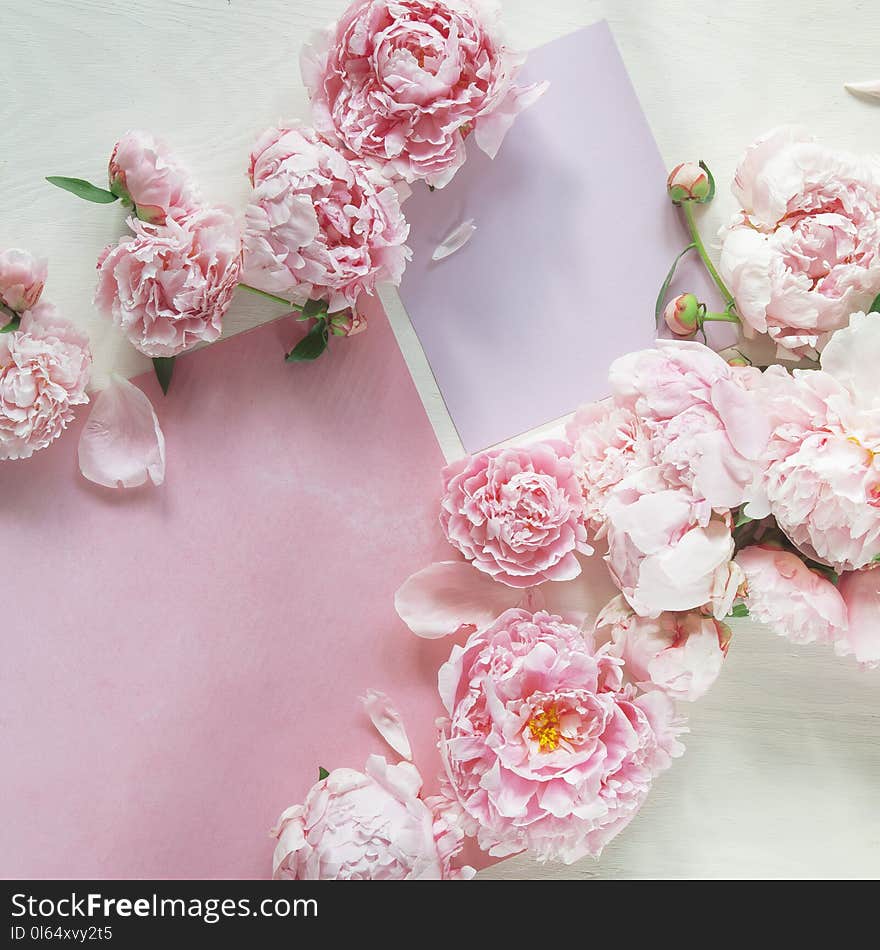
(268, 296)
(687, 207)
(720, 317)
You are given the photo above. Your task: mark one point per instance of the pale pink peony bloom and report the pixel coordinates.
(804, 253)
(784, 593)
(679, 653)
(403, 82)
(371, 825)
(121, 444)
(705, 423)
(44, 371)
(22, 277)
(661, 560)
(822, 464)
(143, 172)
(861, 594)
(320, 225)
(516, 513)
(169, 287)
(609, 443)
(544, 749)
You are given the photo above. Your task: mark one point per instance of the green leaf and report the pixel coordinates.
(740, 610)
(876, 560)
(661, 297)
(164, 368)
(741, 519)
(711, 178)
(322, 773)
(83, 189)
(314, 308)
(875, 306)
(12, 326)
(312, 345)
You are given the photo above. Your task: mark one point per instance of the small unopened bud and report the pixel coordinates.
(690, 182)
(682, 315)
(348, 322)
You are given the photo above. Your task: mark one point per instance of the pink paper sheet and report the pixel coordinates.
(575, 235)
(178, 662)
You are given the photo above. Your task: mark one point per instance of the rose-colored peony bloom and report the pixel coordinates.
(861, 594)
(403, 82)
(544, 748)
(609, 443)
(168, 287)
(142, 171)
(516, 513)
(679, 653)
(783, 592)
(698, 431)
(370, 825)
(320, 225)
(804, 253)
(822, 464)
(22, 277)
(44, 371)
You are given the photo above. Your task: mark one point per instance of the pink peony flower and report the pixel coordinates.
(516, 513)
(22, 277)
(679, 653)
(44, 371)
(544, 748)
(402, 82)
(366, 826)
(822, 464)
(143, 172)
(783, 592)
(805, 251)
(609, 443)
(320, 225)
(689, 181)
(861, 594)
(169, 287)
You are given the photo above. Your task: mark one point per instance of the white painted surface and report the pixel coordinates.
(783, 762)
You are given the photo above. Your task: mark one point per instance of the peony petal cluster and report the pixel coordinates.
(861, 594)
(804, 253)
(544, 748)
(798, 603)
(821, 467)
(320, 225)
(678, 653)
(403, 82)
(366, 826)
(22, 277)
(516, 513)
(168, 287)
(662, 465)
(44, 370)
(143, 172)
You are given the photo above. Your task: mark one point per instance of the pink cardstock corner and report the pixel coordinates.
(178, 662)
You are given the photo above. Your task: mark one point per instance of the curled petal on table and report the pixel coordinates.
(451, 595)
(869, 89)
(388, 722)
(455, 240)
(122, 444)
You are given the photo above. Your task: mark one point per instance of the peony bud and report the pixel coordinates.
(690, 182)
(348, 322)
(21, 281)
(682, 315)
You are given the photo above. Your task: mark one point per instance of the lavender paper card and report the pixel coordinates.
(575, 235)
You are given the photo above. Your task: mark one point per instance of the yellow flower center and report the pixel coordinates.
(545, 729)
(871, 452)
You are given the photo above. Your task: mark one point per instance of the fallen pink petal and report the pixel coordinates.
(122, 445)
(455, 240)
(388, 722)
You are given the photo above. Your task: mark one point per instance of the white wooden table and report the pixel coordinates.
(783, 763)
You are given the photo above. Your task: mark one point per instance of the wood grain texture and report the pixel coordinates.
(783, 760)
